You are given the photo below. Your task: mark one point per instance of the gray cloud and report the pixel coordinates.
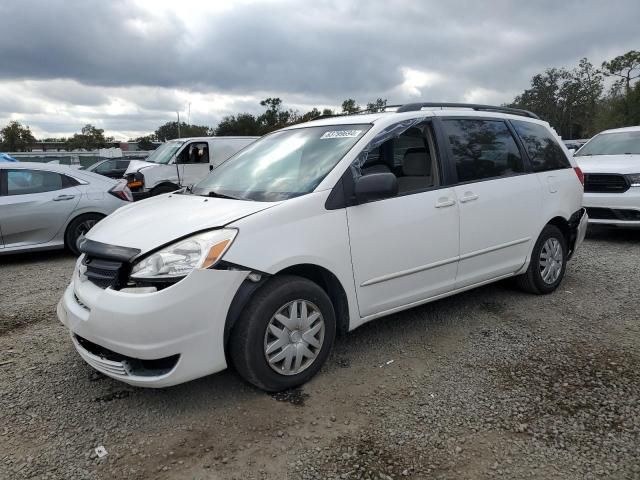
(318, 52)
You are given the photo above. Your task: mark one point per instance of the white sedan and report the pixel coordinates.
(47, 206)
(611, 165)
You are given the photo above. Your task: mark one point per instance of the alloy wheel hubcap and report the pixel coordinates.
(551, 261)
(294, 337)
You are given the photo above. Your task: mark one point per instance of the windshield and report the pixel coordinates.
(164, 153)
(623, 143)
(282, 165)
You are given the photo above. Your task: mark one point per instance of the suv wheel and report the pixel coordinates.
(284, 335)
(548, 262)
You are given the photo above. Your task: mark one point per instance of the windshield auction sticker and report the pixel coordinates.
(341, 134)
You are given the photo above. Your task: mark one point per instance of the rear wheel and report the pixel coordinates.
(78, 228)
(548, 262)
(284, 335)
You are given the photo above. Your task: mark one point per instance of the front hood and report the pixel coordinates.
(609, 163)
(160, 220)
(137, 165)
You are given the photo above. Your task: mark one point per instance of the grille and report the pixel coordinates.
(103, 273)
(108, 361)
(98, 360)
(613, 214)
(605, 183)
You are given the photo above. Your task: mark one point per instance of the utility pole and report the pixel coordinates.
(189, 115)
(178, 113)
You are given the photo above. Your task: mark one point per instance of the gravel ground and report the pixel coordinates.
(492, 383)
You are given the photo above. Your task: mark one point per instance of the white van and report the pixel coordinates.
(180, 162)
(319, 228)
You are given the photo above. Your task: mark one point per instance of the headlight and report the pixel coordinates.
(179, 259)
(634, 179)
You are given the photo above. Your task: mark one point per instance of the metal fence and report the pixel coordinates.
(85, 159)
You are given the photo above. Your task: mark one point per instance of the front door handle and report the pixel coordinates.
(64, 197)
(210, 167)
(469, 197)
(445, 202)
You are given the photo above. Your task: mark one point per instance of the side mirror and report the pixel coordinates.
(376, 186)
(572, 151)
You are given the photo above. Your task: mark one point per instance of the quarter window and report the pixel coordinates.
(543, 149)
(23, 182)
(482, 149)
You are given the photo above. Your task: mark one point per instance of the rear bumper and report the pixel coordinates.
(578, 224)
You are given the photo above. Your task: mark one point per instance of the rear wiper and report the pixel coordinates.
(221, 195)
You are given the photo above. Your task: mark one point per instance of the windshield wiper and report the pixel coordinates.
(221, 195)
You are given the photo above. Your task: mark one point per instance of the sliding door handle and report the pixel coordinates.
(469, 197)
(445, 202)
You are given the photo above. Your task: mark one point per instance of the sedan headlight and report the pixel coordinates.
(179, 259)
(634, 179)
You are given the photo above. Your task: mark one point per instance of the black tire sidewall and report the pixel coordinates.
(70, 238)
(550, 231)
(255, 318)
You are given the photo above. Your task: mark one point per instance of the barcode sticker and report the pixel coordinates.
(341, 134)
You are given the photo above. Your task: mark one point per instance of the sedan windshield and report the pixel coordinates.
(282, 165)
(622, 143)
(164, 153)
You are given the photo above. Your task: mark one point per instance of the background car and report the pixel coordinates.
(7, 158)
(45, 206)
(112, 167)
(611, 165)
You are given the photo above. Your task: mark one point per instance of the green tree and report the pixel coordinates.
(378, 106)
(241, 124)
(350, 106)
(626, 67)
(169, 131)
(90, 138)
(14, 137)
(567, 99)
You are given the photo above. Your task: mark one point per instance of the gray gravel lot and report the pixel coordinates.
(492, 383)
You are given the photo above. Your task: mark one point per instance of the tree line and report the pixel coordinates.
(16, 137)
(578, 102)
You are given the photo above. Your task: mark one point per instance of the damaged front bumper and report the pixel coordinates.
(152, 339)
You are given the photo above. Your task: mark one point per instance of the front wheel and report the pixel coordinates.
(548, 262)
(284, 335)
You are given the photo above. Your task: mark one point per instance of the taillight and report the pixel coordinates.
(579, 174)
(122, 191)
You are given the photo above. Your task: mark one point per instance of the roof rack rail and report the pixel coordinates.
(412, 107)
(360, 112)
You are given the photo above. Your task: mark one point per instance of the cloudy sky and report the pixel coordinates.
(128, 65)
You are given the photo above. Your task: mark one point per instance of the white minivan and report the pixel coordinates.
(319, 228)
(180, 162)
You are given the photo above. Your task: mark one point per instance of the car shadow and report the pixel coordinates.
(34, 257)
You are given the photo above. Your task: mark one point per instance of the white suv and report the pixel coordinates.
(317, 229)
(611, 165)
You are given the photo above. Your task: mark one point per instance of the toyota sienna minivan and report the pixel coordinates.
(317, 229)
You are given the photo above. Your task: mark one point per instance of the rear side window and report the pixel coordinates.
(542, 147)
(23, 182)
(482, 149)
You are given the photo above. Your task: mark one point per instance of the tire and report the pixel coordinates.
(79, 227)
(537, 279)
(161, 189)
(254, 334)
